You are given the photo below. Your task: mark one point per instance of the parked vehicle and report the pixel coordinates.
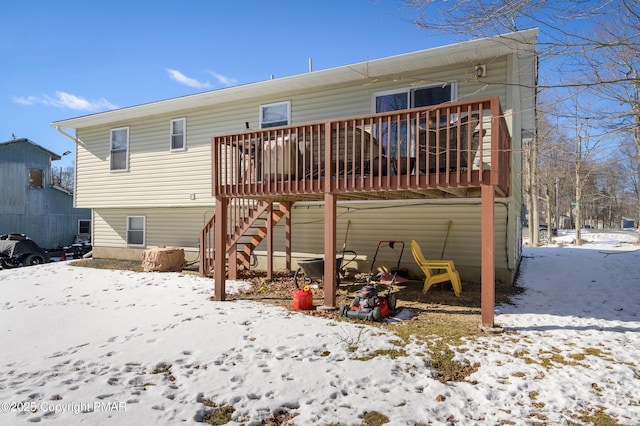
(78, 249)
(544, 231)
(18, 249)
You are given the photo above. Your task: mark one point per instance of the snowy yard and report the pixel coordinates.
(93, 346)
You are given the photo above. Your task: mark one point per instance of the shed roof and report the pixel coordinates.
(53, 155)
(468, 51)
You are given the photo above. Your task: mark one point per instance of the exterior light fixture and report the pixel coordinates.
(480, 70)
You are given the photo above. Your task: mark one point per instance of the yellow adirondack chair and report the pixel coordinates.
(431, 268)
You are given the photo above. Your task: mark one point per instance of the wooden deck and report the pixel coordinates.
(433, 152)
(458, 150)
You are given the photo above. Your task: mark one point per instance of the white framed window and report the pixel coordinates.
(276, 114)
(412, 97)
(36, 178)
(84, 228)
(119, 153)
(136, 230)
(178, 134)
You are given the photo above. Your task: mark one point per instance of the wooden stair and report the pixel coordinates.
(249, 222)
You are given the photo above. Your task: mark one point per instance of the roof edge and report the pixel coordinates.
(502, 42)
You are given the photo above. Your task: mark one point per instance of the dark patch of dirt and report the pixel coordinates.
(125, 265)
(438, 307)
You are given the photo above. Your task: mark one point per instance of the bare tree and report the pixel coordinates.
(590, 59)
(63, 177)
(627, 157)
(551, 153)
(617, 67)
(530, 186)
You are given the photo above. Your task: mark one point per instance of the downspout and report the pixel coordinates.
(68, 136)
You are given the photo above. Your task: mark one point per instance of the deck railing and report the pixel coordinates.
(462, 144)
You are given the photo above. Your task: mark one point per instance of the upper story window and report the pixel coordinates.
(277, 114)
(119, 149)
(178, 134)
(36, 178)
(395, 100)
(415, 97)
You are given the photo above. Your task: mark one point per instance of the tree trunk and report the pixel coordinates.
(636, 133)
(534, 223)
(547, 200)
(578, 241)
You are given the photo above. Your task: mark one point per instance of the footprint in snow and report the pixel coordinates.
(105, 395)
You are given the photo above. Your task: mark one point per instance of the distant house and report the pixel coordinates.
(155, 174)
(30, 202)
(627, 223)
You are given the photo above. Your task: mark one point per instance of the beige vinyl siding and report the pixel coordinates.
(158, 177)
(369, 224)
(175, 227)
(404, 221)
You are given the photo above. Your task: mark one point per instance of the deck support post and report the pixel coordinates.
(488, 286)
(220, 243)
(270, 241)
(287, 234)
(330, 221)
(232, 266)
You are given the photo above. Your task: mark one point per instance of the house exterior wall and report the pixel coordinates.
(173, 189)
(44, 214)
(173, 226)
(158, 177)
(369, 223)
(404, 220)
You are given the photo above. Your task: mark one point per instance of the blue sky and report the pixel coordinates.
(68, 58)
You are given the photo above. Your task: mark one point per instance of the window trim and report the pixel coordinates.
(261, 113)
(144, 231)
(184, 134)
(111, 151)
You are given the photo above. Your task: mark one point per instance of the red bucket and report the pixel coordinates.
(303, 299)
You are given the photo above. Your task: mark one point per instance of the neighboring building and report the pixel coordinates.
(30, 202)
(146, 171)
(627, 223)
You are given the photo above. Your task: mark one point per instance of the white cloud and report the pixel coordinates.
(66, 100)
(224, 80)
(187, 81)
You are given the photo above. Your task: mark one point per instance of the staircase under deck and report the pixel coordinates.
(456, 150)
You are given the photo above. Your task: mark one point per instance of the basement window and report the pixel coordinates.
(136, 230)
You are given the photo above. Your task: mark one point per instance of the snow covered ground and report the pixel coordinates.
(87, 346)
